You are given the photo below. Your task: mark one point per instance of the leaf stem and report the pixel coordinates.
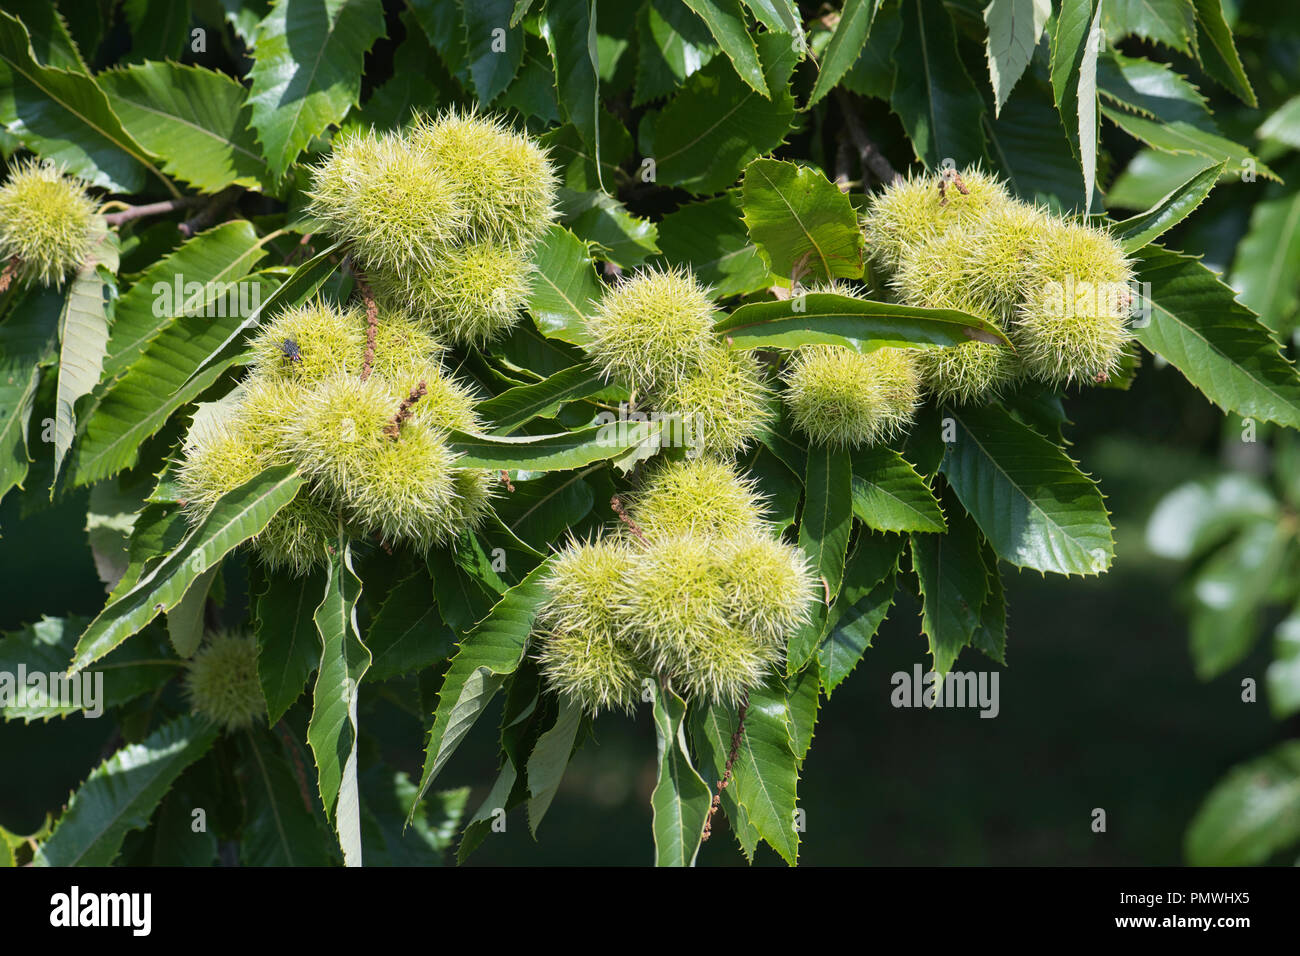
(873, 160)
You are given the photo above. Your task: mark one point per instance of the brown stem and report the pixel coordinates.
(617, 504)
(505, 480)
(726, 773)
(394, 427)
(209, 214)
(372, 325)
(303, 250)
(151, 209)
(873, 160)
(843, 152)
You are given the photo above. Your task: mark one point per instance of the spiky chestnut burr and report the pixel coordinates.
(914, 209)
(47, 223)
(221, 681)
(1072, 327)
(653, 328)
(700, 496)
(943, 272)
(844, 398)
(724, 404)
(402, 488)
(504, 180)
(391, 203)
(769, 586)
(470, 295)
(583, 653)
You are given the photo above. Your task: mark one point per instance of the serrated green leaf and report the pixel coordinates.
(1173, 208)
(121, 794)
(804, 227)
(388, 841)
(281, 826)
(933, 95)
(28, 334)
(872, 74)
(83, 338)
(666, 56)
(332, 731)
(206, 266)
(1218, 345)
(680, 800)
(889, 495)
(565, 288)
(239, 515)
(710, 238)
(65, 117)
(1171, 22)
(569, 28)
(497, 799)
(306, 71)
(1267, 259)
(1152, 89)
(542, 509)
(862, 604)
(1219, 56)
(954, 586)
(824, 318)
(1015, 27)
(488, 653)
(549, 760)
(522, 404)
(726, 21)
(1030, 147)
(288, 647)
(614, 233)
(716, 123)
(160, 29)
(712, 728)
(408, 634)
(52, 44)
(766, 771)
(782, 15)
(990, 636)
(827, 514)
(444, 27)
(1075, 43)
(46, 647)
(1031, 501)
(1283, 124)
(846, 44)
(494, 57)
(185, 622)
(193, 119)
(552, 452)
(111, 515)
(1182, 138)
(803, 698)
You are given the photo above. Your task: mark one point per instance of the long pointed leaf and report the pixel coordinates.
(239, 515)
